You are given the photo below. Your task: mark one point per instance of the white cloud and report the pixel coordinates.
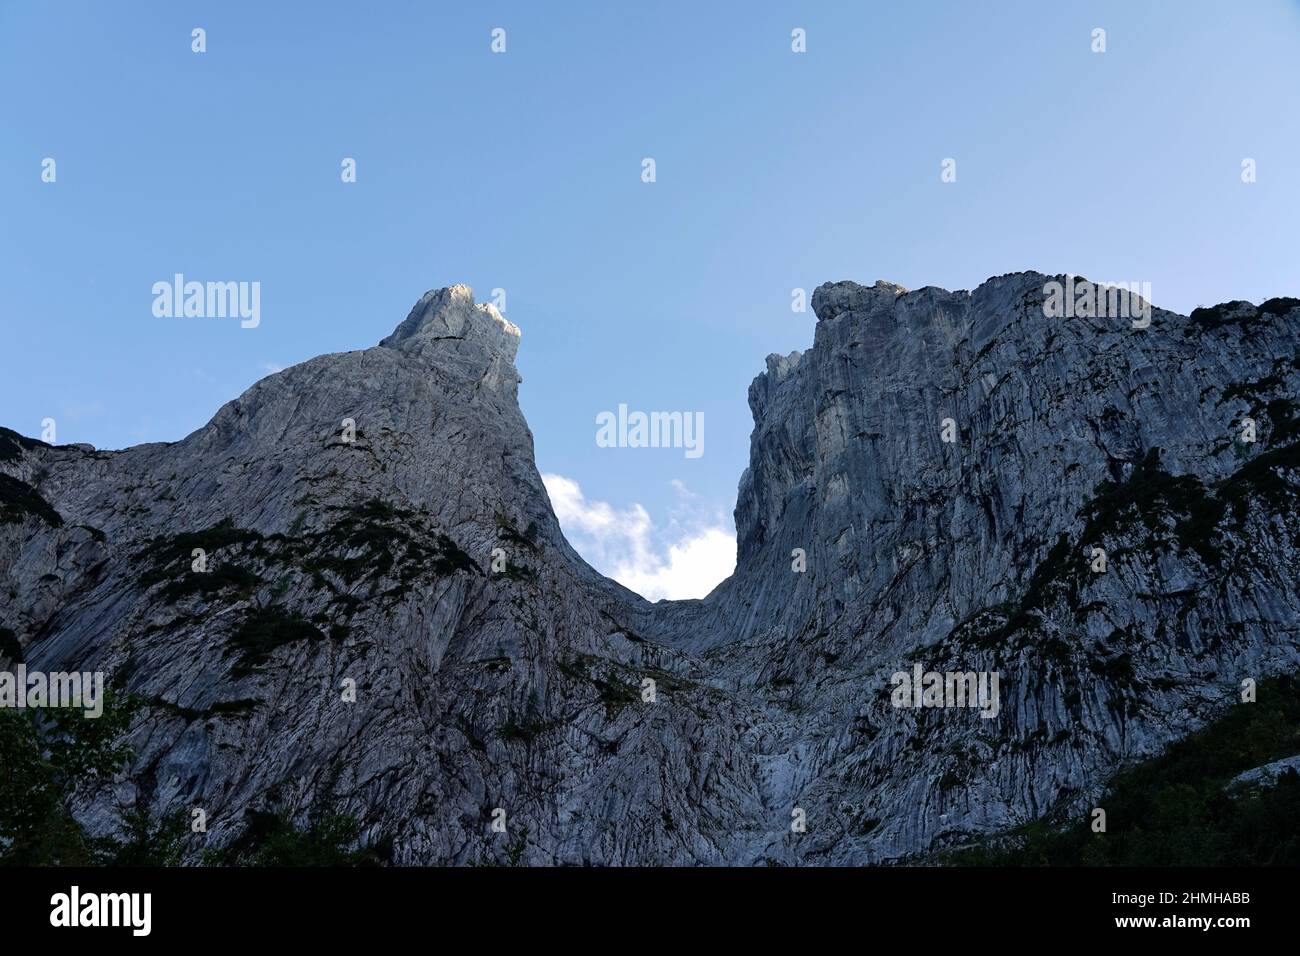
(78, 410)
(686, 559)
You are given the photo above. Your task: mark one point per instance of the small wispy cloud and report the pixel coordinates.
(686, 558)
(77, 410)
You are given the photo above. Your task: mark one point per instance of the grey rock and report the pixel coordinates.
(1266, 775)
(521, 689)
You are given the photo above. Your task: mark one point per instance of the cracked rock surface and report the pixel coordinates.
(375, 519)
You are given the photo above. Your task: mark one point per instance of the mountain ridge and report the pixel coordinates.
(523, 689)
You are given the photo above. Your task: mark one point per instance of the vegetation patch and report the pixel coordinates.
(327, 838)
(525, 729)
(1263, 477)
(1253, 390)
(520, 572)
(623, 629)
(1177, 809)
(514, 852)
(611, 690)
(370, 539)
(991, 628)
(208, 583)
(167, 557)
(1149, 506)
(1116, 670)
(19, 499)
(448, 558)
(46, 762)
(265, 630)
(1154, 498)
(363, 542)
(511, 535)
(9, 646)
(243, 705)
(1279, 306)
(1241, 314)
(12, 444)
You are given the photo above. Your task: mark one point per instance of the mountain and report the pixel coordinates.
(391, 624)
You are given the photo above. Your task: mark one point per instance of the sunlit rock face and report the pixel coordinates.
(391, 623)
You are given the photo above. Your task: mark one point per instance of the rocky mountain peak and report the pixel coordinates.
(930, 484)
(450, 319)
(832, 299)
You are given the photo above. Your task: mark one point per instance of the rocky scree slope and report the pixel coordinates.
(480, 686)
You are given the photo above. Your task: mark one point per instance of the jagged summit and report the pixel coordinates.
(830, 299)
(452, 315)
(833, 299)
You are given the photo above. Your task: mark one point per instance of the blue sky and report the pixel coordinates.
(522, 171)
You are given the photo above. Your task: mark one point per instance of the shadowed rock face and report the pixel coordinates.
(521, 687)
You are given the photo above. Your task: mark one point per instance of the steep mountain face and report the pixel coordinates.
(374, 528)
(368, 561)
(977, 554)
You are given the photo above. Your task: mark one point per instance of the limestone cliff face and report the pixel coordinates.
(494, 669)
(977, 554)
